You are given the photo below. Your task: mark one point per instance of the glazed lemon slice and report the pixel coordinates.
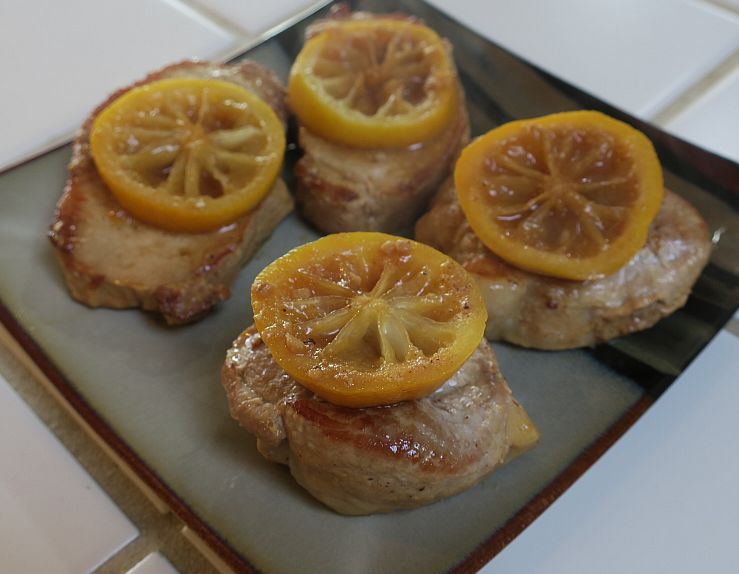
(188, 154)
(569, 195)
(374, 83)
(366, 318)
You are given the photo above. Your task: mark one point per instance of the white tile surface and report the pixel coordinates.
(154, 563)
(255, 17)
(54, 517)
(713, 121)
(61, 59)
(665, 498)
(635, 54)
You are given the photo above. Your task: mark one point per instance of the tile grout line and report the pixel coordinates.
(690, 95)
(158, 528)
(7, 340)
(214, 18)
(723, 5)
(165, 532)
(128, 556)
(244, 41)
(732, 327)
(249, 40)
(241, 38)
(236, 30)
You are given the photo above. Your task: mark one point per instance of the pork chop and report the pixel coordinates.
(547, 313)
(378, 459)
(344, 188)
(110, 259)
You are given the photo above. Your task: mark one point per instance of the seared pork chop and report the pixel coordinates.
(378, 459)
(344, 188)
(111, 259)
(547, 313)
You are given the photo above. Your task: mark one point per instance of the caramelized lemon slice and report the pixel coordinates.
(366, 318)
(374, 83)
(570, 195)
(188, 154)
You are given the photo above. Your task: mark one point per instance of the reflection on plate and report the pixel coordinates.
(154, 393)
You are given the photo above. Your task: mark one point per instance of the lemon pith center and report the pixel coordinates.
(195, 134)
(390, 317)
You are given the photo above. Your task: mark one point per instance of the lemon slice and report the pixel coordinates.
(188, 154)
(366, 318)
(569, 195)
(374, 83)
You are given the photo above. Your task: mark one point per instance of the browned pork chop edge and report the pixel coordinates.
(547, 313)
(110, 259)
(376, 459)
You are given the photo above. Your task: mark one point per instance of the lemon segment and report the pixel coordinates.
(569, 195)
(374, 83)
(188, 154)
(366, 319)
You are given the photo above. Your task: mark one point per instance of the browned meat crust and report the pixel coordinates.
(341, 188)
(359, 461)
(110, 259)
(547, 313)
